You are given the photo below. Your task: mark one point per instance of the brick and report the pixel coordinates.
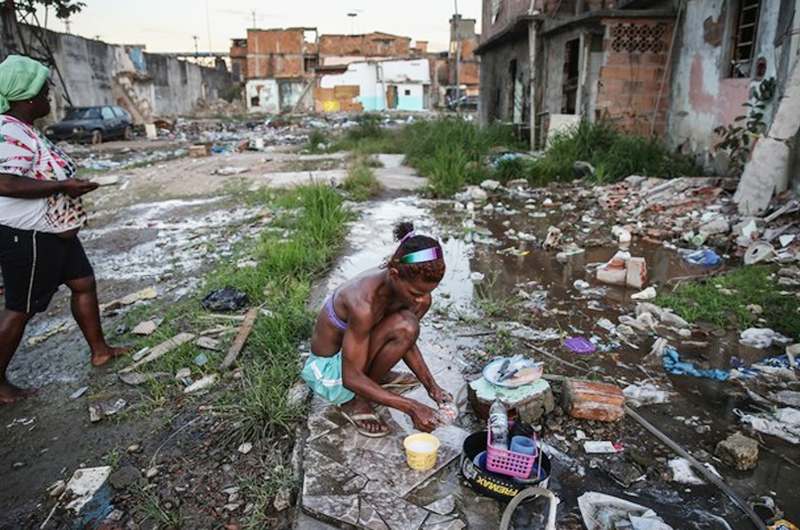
(738, 451)
(637, 273)
(592, 401)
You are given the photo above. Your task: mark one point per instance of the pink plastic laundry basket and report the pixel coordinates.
(508, 462)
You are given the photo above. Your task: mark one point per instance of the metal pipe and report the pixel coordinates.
(711, 477)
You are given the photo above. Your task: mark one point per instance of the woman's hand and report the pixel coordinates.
(76, 187)
(425, 418)
(440, 395)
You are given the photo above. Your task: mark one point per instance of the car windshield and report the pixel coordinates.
(83, 114)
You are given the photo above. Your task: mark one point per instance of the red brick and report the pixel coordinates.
(593, 401)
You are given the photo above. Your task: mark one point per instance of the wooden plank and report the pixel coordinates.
(161, 349)
(241, 338)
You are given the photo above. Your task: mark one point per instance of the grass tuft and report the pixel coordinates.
(361, 183)
(723, 301)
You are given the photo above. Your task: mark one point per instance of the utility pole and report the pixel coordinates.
(195, 46)
(253, 13)
(456, 19)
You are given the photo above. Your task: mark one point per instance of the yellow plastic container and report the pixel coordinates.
(421, 449)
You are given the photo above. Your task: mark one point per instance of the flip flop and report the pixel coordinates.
(364, 416)
(396, 382)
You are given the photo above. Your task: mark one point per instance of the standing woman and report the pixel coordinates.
(40, 215)
(367, 326)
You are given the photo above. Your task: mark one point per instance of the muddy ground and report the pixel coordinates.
(162, 224)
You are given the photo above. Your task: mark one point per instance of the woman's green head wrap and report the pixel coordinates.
(20, 78)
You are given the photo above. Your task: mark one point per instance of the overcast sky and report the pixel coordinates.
(168, 25)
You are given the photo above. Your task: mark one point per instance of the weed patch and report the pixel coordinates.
(724, 301)
(614, 154)
(361, 183)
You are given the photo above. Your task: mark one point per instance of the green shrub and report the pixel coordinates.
(360, 182)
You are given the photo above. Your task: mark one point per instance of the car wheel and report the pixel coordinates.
(127, 134)
(97, 137)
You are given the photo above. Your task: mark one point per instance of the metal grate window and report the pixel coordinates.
(638, 38)
(744, 38)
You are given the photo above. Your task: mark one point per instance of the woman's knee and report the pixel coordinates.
(86, 284)
(406, 325)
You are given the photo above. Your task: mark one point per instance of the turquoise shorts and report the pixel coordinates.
(324, 376)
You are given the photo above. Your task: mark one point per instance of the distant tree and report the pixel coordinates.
(63, 8)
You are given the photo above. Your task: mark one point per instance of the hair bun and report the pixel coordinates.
(401, 229)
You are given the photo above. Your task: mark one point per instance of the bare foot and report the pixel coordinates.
(101, 357)
(10, 393)
(359, 412)
(399, 379)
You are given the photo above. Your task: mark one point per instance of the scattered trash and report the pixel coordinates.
(83, 485)
(604, 512)
(147, 327)
(95, 413)
(64, 326)
(512, 372)
(767, 425)
(758, 252)
(476, 277)
(704, 256)
(646, 393)
(230, 170)
(208, 343)
(201, 384)
(201, 359)
(78, 393)
(647, 294)
(682, 472)
(671, 361)
(241, 338)
(225, 300)
(762, 338)
(552, 239)
(592, 401)
(580, 285)
(160, 350)
(579, 345)
(592, 447)
(149, 293)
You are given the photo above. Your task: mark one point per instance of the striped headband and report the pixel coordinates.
(422, 256)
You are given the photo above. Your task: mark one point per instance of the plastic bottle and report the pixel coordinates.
(498, 425)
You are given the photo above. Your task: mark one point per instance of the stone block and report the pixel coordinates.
(592, 401)
(738, 451)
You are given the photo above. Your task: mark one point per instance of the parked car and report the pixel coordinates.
(92, 124)
(464, 103)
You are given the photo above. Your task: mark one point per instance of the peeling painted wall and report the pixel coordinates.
(703, 94)
(497, 85)
(274, 96)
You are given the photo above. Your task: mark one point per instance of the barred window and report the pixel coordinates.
(638, 38)
(744, 38)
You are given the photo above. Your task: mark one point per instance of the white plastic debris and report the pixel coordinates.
(762, 338)
(201, 384)
(647, 294)
(644, 394)
(599, 447)
(682, 472)
(84, 483)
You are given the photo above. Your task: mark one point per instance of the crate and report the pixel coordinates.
(507, 462)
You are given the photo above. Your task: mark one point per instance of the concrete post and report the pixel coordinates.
(533, 35)
(767, 172)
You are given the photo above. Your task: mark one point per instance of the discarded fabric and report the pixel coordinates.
(224, 300)
(704, 256)
(672, 363)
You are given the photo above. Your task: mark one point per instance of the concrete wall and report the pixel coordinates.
(497, 85)
(97, 73)
(703, 94)
(410, 79)
(274, 96)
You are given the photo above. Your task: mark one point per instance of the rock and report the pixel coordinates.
(124, 477)
(282, 500)
(245, 448)
(95, 413)
(553, 238)
(490, 184)
(183, 373)
(297, 395)
(636, 276)
(517, 183)
(718, 225)
(134, 448)
(58, 488)
(582, 169)
(738, 451)
(152, 472)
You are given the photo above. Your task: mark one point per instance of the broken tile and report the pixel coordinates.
(208, 343)
(343, 509)
(397, 512)
(442, 506)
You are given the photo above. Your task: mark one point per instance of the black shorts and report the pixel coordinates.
(35, 264)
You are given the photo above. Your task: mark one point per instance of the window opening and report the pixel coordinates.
(744, 38)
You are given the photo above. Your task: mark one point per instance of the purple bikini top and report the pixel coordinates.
(340, 324)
